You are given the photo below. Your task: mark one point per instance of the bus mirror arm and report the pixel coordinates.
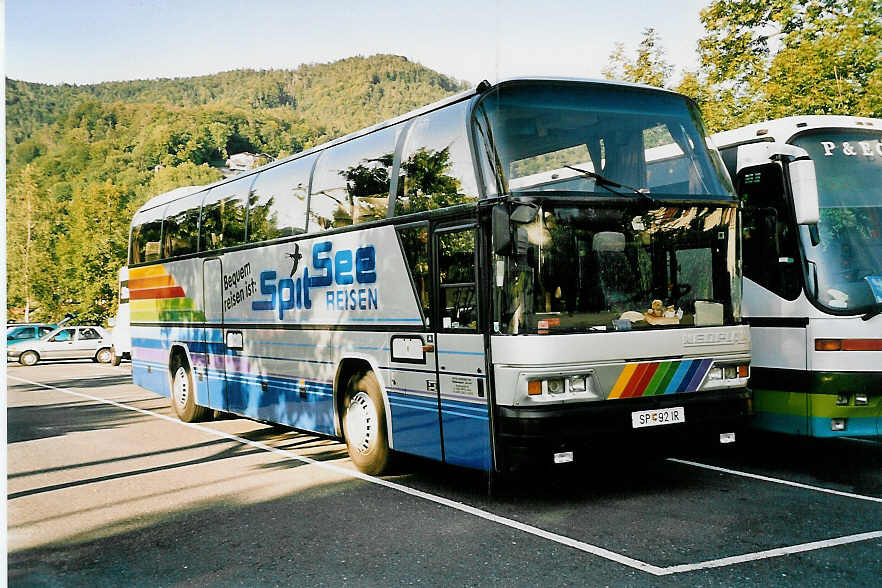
(501, 224)
(813, 278)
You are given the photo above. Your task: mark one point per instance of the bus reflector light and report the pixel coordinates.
(862, 344)
(861, 399)
(534, 387)
(563, 457)
(837, 425)
(828, 344)
(577, 384)
(848, 344)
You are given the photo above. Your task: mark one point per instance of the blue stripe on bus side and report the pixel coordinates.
(466, 434)
(415, 427)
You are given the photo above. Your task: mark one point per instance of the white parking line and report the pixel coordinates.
(465, 508)
(775, 480)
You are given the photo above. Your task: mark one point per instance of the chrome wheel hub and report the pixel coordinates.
(361, 427)
(181, 389)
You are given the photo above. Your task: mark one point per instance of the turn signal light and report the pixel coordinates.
(743, 370)
(828, 344)
(848, 344)
(534, 388)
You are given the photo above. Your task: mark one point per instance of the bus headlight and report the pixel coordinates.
(562, 386)
(578, 384)
(729, 375)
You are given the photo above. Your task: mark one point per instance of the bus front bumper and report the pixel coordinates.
(532, 436)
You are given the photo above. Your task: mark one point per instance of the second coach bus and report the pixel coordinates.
(529, 271)
(812, 196)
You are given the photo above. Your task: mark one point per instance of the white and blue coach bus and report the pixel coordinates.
(811, 189)
(536, 270)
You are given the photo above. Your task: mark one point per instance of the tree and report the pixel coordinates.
(21, 235)
(647, 67)
(770, 58)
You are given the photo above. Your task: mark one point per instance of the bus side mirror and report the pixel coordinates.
(805, 191)
(801, 168)
(501, 227)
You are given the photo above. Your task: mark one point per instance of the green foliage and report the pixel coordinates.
(771, 58)
(83, 159)
(648, 66)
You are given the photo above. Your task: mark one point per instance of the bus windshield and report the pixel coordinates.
(646, 141)
(848, 256)
(580, 268)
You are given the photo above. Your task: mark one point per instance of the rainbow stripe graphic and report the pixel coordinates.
(657, 378)
(155, 297)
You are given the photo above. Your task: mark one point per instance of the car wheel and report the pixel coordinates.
(28, 358)
(104, 355)
(364, 424)
(184, 394)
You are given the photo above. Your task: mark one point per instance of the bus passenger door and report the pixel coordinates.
(459, 348)
(413, 382)
(214, 350)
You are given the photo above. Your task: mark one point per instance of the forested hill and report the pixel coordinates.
(336, 97)
(82, 159)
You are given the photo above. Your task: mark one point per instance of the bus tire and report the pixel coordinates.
(364, 424)
(183, 396)
(28, 358)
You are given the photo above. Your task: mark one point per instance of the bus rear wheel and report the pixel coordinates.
(183, 396)
(364, 424)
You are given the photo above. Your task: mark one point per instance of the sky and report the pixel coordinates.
(88, 41)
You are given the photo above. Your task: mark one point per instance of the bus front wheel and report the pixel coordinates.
(364, 424)
(184, 395)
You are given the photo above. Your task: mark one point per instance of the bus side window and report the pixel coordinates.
(415, 248)
(768, 233)
(458, 304)
(224, 212)
(436, 163)
(146, 233)
(181, 234)
(277, 201)
(351, 181)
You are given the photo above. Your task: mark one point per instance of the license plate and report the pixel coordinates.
(661, 416)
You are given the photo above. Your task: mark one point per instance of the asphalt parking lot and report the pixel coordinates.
(106, 487)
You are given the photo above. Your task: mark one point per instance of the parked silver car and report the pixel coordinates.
(64, 343)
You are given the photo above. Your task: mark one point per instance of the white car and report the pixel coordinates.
(64, 343)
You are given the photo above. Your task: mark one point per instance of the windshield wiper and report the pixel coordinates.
(609, 184)
(874, 310)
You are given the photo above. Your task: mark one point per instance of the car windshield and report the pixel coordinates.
(578, 268)
(848, 254)
(545, 136)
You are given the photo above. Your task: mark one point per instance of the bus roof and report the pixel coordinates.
(163, 199)
(169, 196)
(782, 129)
